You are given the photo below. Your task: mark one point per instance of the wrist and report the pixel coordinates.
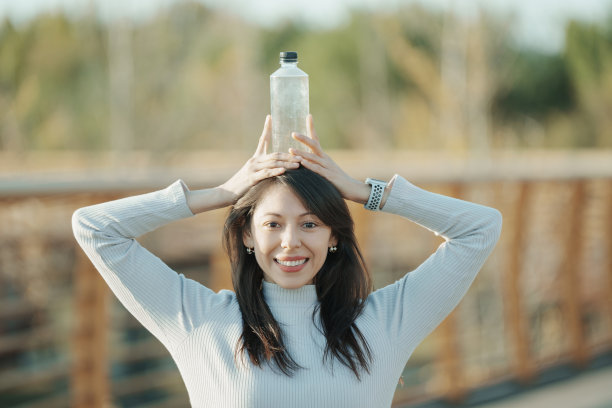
(378, 192)
(208, 199)
(227, 193)
(387, 191)
(360, 192)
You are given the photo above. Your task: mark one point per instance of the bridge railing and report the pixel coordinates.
(543, 298)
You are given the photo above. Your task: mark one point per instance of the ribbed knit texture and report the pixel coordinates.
(201, 328)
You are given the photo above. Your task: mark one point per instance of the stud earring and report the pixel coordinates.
(250, 250)
(333, 249)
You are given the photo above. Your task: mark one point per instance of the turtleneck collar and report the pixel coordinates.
(277, 296)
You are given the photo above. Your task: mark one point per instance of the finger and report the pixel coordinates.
(296, 152)
(311, 143)
(278, 156)
(308, 156)
(265, 137)
(267, 173)
(276, 160)
(267, 133)
(310, 128)
(281, 156)
(317, 168)
(276, 164)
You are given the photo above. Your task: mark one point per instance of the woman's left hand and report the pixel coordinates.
(320, 162)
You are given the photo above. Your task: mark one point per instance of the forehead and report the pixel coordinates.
(280, 199)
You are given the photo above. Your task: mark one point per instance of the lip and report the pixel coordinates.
(291, 268)
(290, 258)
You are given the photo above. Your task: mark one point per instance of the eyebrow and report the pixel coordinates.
(280, 216)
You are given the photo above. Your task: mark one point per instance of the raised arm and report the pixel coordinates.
(413, 306)
(320, 162)
(147, 287)
(166, 303)
(257, 168)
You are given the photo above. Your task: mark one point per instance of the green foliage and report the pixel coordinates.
(538, 84)
(50, 77)
(11, 44)
(198, 79)
(589, 57)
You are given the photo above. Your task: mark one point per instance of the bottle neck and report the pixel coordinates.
(288, 63)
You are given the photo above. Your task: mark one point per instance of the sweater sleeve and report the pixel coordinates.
(417, 303)
(166, 303)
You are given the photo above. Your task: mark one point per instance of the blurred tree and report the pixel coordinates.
(535, 88)
(121, 77)
(197, 83)
(331, 59)
(11, 64)
(193, 78)
(538, 84)
(51, 84)
(588, 53)
(412, 42)
(442, 70)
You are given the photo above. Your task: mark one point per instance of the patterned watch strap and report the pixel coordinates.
(376, 194)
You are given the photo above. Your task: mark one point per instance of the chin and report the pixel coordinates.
(291, 283)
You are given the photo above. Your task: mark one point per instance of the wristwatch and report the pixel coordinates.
(376, 194)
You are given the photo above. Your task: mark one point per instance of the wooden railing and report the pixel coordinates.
(543, 298)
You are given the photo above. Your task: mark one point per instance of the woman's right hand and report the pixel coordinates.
(260, 166)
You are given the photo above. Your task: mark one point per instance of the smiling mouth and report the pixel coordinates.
(291, 263)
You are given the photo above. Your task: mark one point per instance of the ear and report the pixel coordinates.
(333, 241)
(247, 239)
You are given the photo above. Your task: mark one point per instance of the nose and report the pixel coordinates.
(290, 238)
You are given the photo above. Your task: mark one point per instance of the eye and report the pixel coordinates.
(271, 224)
(309, 225)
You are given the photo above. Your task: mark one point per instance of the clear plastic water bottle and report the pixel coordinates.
(289, 103)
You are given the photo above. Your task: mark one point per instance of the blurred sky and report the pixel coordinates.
(537, 23)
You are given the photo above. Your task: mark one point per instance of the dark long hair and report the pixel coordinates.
(342, 284)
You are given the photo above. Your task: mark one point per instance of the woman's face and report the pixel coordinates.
(291, 244)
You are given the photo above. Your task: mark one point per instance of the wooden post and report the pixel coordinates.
(449, 357)
(524, 367)
(449, 360)
(363, 223)
(608, 238)
(221, 271)
(90, 384)
(570, 280)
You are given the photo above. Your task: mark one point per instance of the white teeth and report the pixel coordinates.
(291, 263)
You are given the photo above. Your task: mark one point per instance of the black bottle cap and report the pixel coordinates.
(288, 56)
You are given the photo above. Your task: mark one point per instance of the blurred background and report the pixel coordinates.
(505, 103)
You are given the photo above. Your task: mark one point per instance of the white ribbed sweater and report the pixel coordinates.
(201, 328)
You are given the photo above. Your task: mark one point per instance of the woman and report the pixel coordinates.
(302, 328)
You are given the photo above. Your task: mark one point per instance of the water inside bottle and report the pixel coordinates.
(289, 110)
